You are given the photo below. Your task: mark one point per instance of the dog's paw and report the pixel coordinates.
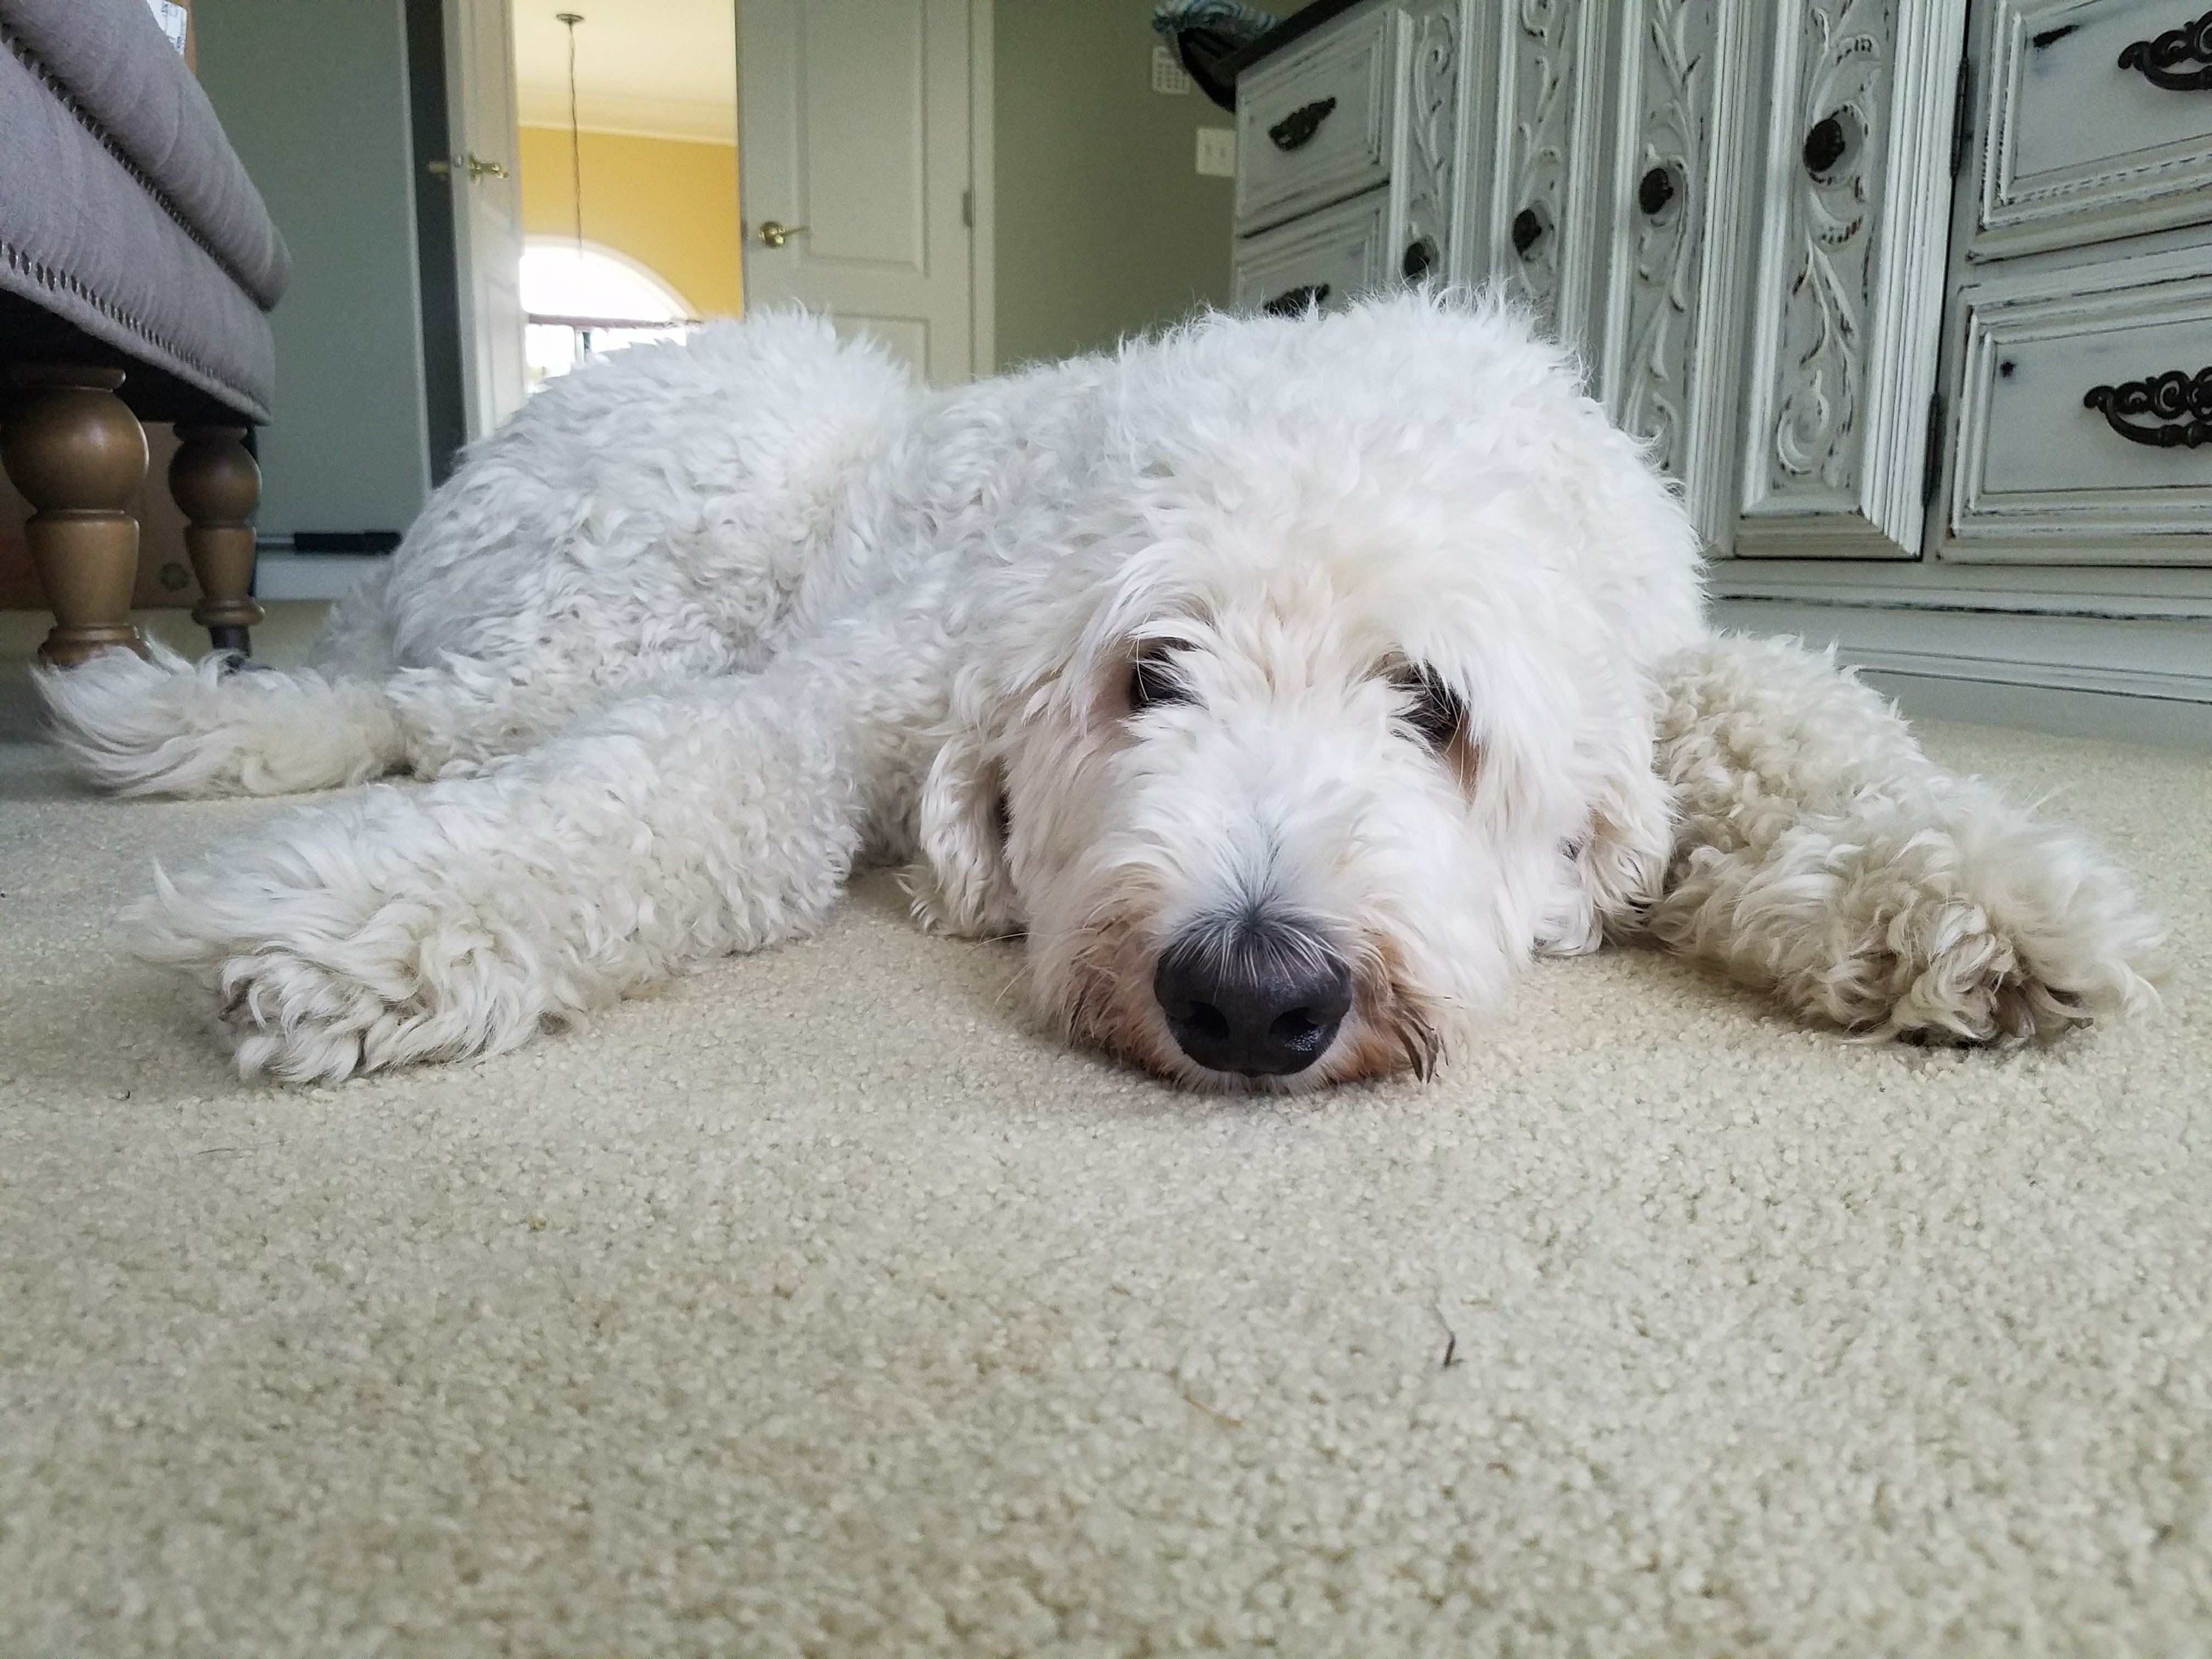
(1989, 928)
(1942, 970)
(288, 1016)
(1942, 915)
(314, 984)
(934, 911)
(925, 900)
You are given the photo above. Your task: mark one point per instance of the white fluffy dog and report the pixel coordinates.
(1285, 682)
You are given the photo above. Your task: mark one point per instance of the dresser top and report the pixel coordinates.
(1296, 25)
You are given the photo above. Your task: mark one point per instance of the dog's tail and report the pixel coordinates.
(163, 725)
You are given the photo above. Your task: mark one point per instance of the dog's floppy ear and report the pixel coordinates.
(1574, 770)
(964, 883)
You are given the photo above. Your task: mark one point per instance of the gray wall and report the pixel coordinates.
(1104, 227)
(313, 94)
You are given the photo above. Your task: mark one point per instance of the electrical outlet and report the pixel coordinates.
(1217, 152)
(1167, 73)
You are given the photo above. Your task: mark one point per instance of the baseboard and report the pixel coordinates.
(2115, 590)
(2158, 721)
(2135, 679)
(313, 575)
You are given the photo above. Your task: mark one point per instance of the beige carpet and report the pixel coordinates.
(818, 1307)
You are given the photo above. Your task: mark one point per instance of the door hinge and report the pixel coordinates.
(1931, 463)
(1962, 115)
(967, 208)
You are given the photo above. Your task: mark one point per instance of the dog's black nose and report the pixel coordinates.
(1265, 1006)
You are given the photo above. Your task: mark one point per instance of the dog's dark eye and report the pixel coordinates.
(1154, 680)
(1437, 711)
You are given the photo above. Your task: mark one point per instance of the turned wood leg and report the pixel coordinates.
(214, 480)
(77, 454)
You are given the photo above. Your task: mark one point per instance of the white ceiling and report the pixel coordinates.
(667, 68)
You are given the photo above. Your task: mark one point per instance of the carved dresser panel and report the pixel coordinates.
(1891, 280)
(1669, 338)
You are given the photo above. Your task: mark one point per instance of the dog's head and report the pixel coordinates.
(1283, 762)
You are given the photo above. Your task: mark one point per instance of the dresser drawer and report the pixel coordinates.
(2048, 381)
(1316, 125)
(1325, 258)
(2078, 147)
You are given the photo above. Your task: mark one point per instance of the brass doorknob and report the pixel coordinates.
(775, 236)
(475, 166)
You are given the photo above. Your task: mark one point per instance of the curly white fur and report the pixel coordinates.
(161, 726)
(677, 647)
(1823, 857)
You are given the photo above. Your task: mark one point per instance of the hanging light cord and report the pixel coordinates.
(575, 137)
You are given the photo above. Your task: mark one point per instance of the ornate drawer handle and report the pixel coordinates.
(1824, 145)
(1829, 142)
(2190, 43)
(1301, 124)
(2172, 396)
(1528, 227)
(1296, 301)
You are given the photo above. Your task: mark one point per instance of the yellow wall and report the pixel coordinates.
(670, 204)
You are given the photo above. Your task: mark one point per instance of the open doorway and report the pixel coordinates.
(977, 183)
(735, 152)
(627, 140)
(582, 300)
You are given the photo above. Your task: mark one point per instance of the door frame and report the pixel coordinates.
(495, 378)
(436, 236)
(983, 192)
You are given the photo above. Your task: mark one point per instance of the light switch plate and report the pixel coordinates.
(1217, 152)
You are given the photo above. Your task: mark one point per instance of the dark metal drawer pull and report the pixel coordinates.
(1824, 145)
(2173, 396)
(1301, 124)
(2189, 44)
(1296, 301)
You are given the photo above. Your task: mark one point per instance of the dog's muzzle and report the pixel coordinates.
(1265, 1001)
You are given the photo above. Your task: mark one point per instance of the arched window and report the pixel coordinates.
(585, 301)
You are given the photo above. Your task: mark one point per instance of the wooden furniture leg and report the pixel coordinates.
(214, 480)
(77, 454)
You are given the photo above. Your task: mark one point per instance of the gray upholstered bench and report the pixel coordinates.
(136, 262)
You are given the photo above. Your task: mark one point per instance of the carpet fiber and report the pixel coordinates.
(818, 1306)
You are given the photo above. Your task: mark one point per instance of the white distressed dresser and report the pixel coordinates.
(1914, 296)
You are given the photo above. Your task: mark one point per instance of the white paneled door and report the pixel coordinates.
(487, 192)
(860, 185)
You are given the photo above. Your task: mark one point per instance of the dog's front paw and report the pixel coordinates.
(287, 1016)
(1940, 970)
(1986, 927)
(935, 911)
(316, 982)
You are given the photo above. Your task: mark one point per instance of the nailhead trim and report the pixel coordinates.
(61, 281)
